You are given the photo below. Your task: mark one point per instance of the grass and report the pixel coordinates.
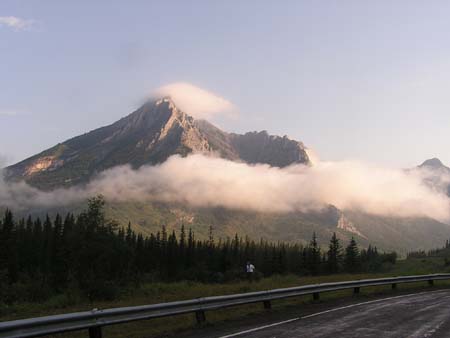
(165, 292)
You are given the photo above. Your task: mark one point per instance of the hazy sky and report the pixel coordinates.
(366, 80)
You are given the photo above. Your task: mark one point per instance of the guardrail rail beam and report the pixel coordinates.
(94, 320)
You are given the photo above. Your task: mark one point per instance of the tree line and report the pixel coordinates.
(439, 252)
(93, 255)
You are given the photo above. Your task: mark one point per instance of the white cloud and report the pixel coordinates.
(202, 181)
(196, 101)
(17, 24)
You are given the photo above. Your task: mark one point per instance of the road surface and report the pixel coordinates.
(425, 314)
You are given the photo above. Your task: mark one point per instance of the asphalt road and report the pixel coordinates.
(425, 314)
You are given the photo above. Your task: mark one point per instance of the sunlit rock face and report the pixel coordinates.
(346, 225)
(43, 164)
(150, 135)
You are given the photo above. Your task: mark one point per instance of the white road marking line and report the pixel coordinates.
(369, 302)
(260, 328)
(327, 311)
(431, 331)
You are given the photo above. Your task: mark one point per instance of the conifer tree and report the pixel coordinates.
(334, 255)
(352, 257)
(314, 256)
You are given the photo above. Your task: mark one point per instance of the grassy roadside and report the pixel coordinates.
(161, 292)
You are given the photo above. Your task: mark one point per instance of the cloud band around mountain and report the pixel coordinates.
(202, 181)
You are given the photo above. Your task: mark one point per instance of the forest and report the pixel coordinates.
(93, 255)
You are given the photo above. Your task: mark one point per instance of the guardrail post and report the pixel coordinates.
(430, 282)
(95, 332)
(316, 296)
(267, 305)
(200, 316)
(356, 290)
(394, 286)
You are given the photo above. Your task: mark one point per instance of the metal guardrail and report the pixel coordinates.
(94, 320)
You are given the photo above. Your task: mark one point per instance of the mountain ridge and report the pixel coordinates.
(149, 135)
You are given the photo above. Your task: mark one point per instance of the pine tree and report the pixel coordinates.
(314, 256)
(8, 245)
(129, 234)
(352, 257)
(47, 248)
(182, 239)
(182, 246)
(210, 237)
(334, 255)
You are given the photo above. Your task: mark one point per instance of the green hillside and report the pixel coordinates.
(387, 233)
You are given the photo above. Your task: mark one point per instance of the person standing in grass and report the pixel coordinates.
(250, 269)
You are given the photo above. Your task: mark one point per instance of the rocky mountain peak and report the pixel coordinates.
(150, 135)
(433, 163)
(153, 111)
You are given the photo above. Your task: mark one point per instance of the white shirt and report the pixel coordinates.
(250, 268)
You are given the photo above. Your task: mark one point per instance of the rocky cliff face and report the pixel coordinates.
(254, 147)
(260, 147)
(346, 225)
(149, 135)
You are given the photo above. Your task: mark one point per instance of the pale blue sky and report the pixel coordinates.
(365, 80)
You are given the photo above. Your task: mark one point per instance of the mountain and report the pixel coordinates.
(436, 175)
(149, 135)
(159, 129)
(434, 163)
